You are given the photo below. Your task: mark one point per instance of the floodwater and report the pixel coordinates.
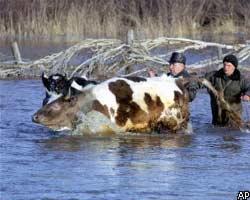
(36, 163)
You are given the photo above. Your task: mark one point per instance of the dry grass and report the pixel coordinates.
(113, 18)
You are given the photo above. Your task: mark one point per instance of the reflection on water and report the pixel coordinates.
(36, 163)
(137, 141)
(32, 49)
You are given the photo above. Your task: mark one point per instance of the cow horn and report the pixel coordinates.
(66, 97)
(45, 81)
(44, 75)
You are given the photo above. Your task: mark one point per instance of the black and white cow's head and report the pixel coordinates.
(58, 85)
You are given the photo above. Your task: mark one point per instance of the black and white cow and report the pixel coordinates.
(58, 85)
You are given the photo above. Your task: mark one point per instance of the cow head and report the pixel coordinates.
(58, 115)
(56, 84)
(63, 113)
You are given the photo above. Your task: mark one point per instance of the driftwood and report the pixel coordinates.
(234, 117)
(110, 57)
(16, 53)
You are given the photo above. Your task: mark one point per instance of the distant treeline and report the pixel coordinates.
(113, 18)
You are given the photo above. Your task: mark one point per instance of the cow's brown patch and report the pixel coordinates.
(100, 108)
(128, 109)
(122, 114)
(132, 111)
(121, 90)
(181, 103)
(155, 108)
(167, 125)
(178, 115)
(180, 83)
(137, 115)
(178, 98)
(170, 124)
(123, 94)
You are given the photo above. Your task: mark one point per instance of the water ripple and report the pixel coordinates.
(37, 163)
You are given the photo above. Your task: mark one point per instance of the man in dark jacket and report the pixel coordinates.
(177, 69)
(177, 66)
(232, 84)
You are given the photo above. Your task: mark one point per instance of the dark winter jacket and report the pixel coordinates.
(192, 85)
(233, 87)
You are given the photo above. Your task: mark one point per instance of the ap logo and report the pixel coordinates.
(243, 195)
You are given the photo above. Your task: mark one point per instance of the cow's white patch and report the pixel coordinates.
(80, 88)
(65, 128)
(76, 86)
(56, 77)
(162, 86)
(53, 96)
(45, 76)
(106, 97)
(85, 77)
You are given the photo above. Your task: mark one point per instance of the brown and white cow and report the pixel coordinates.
(129, 104)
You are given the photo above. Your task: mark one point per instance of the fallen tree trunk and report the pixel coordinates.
(111, 57)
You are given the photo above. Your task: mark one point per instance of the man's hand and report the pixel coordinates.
(245, 98)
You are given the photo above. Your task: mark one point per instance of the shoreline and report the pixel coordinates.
(112, 19)
(97, 57)
(37, 75)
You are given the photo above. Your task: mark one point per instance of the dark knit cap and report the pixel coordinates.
(232, 59)
(177, 58)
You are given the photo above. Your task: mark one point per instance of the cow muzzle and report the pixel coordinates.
(35, 118)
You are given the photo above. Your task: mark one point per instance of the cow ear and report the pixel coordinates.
(45, 80)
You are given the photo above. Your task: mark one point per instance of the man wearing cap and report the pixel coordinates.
(234, 86)
(177, 69)
(177, 66)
